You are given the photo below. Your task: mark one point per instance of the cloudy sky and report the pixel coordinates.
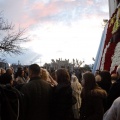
(64, 29)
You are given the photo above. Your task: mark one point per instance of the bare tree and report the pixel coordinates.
(10, 41)
(77, 62)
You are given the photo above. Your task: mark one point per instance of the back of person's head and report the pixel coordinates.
(9, 71)
(118, 70)
(19, 68)
(43, 73)
(88, 81)
(34, 70)
(6, 79)
(62, 76)
(105, 76)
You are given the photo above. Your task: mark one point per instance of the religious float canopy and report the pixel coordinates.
(108, 56)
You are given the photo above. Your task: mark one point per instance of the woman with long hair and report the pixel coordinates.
(92, 99)
(45, 75)
(20, 77)
(62, 98)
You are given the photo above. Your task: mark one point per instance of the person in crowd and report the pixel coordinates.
(76, 91)
(113, 78)
(78, 75)
(97, 76)
(16, 73)
(20, 77)
(3, 71)
(47, 77)
(62, 97)
(105, 82)
(6, 79)
(0, 71)
(92, 99)
(13, 73)
(9, 71)
(53, 75)
(113, 113)
(114, 90)
(26, 74)
(37, 96)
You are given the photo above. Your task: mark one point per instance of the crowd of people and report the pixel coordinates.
(59, 95)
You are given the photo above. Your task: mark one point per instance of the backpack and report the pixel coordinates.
(11, 103)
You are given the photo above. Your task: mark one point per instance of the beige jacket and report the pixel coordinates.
(76, 87)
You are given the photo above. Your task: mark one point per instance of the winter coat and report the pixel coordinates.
(92, 105)
(76, 91)
(114, 93)
(37, 96)
(62, 103)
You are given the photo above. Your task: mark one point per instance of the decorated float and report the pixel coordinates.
(108, 56)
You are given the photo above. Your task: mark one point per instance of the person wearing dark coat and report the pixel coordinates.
(37, 96)
(114, 90)
(105, 82)
(92, 99)
(62, 97)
